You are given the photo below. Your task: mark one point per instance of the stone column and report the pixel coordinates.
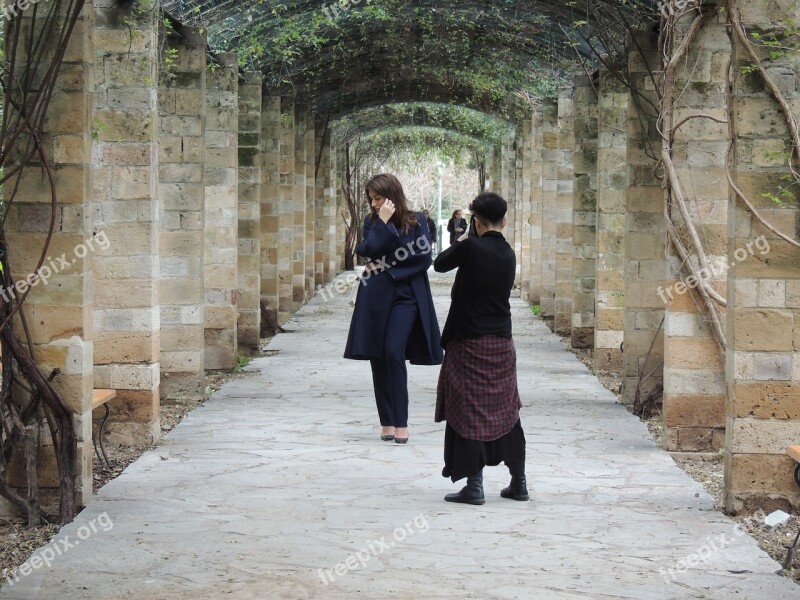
(694, 377)
(509, 189)
(324, 230)
(612, 182)
(221, 227)
(270, 202)
(286, 208)
(341, 204)
(59, 307)
(566, 146)
(336, 224)
(522, 225)
(549, 207)
(537, 194)
(584, 215)
(249, 261)
(763, 323)
(126, 176)
(299, 190)
(181, 188)
(310, 140)
(645, 235)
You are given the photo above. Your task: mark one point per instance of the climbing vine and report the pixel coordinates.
(31, 409)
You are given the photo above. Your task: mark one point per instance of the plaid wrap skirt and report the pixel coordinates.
(477, 392)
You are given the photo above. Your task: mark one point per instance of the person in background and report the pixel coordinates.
(457, 226)
(432, 228)
(394, 318)
(477, 392)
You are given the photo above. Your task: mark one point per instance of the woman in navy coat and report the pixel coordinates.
(394, 319)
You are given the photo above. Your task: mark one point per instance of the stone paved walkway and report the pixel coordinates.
(279, 487)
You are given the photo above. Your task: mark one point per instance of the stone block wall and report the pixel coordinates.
(694, 378)
(59, 307)
(549, 206)
(584, 213)
(522, 225)
(221, 212)
(270, 202)
(563, 213)
(763, 323)
(645, 234)
(535, 219)
(126, 276)
(249, 232)
(286, 208)
(181, 188)
(612, 182)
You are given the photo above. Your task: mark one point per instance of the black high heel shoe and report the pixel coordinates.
(387, 438)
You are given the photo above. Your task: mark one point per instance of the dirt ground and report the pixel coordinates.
(18, 542)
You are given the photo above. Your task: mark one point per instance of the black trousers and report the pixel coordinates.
(464, 458)
(389, 373)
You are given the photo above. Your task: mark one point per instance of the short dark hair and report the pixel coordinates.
(489, 208)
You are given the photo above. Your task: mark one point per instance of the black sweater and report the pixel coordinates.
(486, 268)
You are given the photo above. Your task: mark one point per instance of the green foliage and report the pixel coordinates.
(490, 56)
(536, 310)
(241, 362)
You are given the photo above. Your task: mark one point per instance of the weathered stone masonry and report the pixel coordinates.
(218, 196)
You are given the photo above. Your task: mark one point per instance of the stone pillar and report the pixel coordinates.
(59, 310)
(249, 261)
(523, 216)
(584, 215)
(342, 212)
(221, 227)
(549, 206)
(694, 377)
(336, 224)
(763, 322)
(612, 182)
(270, 202)
(324, 231)
(181, 188)
(310, 139)
(566, 147)
(286, 208)
(299, 241)
(127, 208)
(645, 235)
(510, 191)
(535, 219)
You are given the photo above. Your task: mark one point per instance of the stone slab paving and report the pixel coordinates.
(279, 487)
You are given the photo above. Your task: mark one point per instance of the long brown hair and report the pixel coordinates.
(388, 186)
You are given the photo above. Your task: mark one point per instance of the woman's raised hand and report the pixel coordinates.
(386, 211)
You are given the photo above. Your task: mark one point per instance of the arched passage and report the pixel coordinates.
(218, 186)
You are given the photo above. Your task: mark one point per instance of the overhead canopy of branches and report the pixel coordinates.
(496, 57)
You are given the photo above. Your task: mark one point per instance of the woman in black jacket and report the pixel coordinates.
(477, 393)
(393, 319)
(457, 225)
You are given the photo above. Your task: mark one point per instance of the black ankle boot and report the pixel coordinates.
(517, 489)
(472, 493)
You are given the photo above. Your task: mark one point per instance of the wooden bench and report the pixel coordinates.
(101, 397)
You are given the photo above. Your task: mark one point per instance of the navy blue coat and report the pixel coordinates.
(404, 258)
